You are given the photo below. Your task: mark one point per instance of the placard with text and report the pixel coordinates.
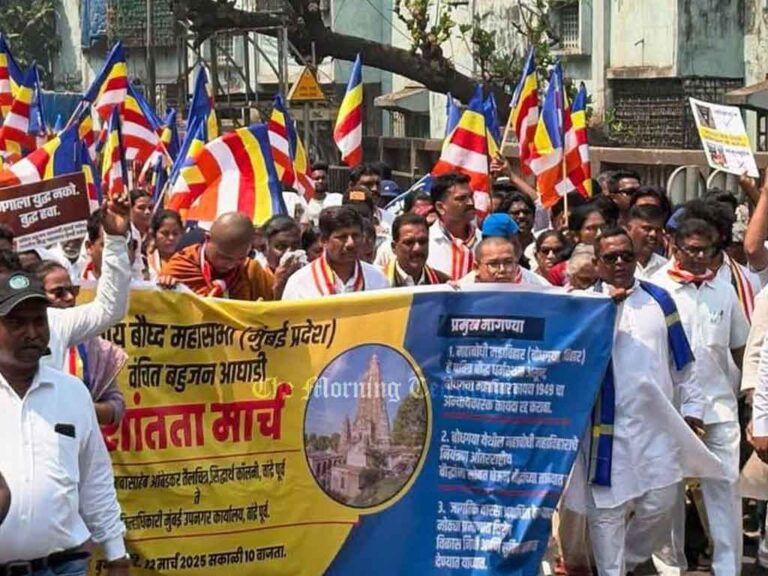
(378, 434)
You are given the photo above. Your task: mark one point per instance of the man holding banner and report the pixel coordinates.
(641, 447)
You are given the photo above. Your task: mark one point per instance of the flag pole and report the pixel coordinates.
(562, 141)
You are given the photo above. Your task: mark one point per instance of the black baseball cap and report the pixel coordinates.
(17, 288)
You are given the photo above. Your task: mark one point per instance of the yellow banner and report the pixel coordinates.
(211, 466)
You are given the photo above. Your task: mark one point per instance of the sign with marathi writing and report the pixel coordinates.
(724, 138)
(46, 212)
(391, 433)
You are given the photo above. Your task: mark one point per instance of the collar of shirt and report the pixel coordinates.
(42, 378)
(406, 278)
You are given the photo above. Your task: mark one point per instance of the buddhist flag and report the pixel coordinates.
(546, 159)
(140, 128)
(11, 77)
(452, 114)
(91, 181)
(58, 157)
(110, 85)
(38, 126)
(202, 105)
(466, 151)
(233, 173)
(87, 133)
(348, 132)
(156, 169)
(524, 116)
(576, 146)
(15, 140)
(491, 113)
(291, 162)
(114, 175)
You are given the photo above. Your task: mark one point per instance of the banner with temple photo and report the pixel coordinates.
(383, 433)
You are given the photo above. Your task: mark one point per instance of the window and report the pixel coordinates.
(225, 48)
(569, 26)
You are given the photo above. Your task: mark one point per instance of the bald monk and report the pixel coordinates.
(221, 267)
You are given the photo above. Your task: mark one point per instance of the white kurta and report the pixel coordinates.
(649, 434)
(302, 286)
(655, 263)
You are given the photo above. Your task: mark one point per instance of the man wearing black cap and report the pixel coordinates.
(54, 460)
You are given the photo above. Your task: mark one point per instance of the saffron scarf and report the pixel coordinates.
(429, 275)
(685, 277)
(603, 415)
(325, 278)
(462, 252)
(217, 287)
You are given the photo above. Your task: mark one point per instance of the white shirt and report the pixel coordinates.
(315, 206)
(655, 263)
(384, 255)
(647, 430)
(760, 397)
(301, 285)
(70, 326)
(441, 252)
(714, 324)
(529, 279)
(62, 488)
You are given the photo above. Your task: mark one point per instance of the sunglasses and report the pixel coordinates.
(62, 291)
(614, 257)
(694, 251)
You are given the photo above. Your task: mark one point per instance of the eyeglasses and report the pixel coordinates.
(62, 291)
(551, 251)
(694, 251)
(613, 257)
(499, 265)
(626, 191)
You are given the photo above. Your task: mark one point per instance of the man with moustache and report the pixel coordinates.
(641, 447)
(454, 236)
(497, 260)
(54, 459)
(645, 225)
(410, 245)
(339, 270)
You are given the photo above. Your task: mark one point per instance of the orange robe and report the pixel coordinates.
(252, 282)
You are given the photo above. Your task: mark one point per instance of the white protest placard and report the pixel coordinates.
(724, 138)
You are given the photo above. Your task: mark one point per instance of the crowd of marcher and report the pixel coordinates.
(690, 360)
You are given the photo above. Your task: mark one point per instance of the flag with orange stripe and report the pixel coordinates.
(524, 115)
(233, 173)
(110, 86)
(11, 77)
(466, 151)
(578, 167)
(15, 140)
(58, 157)
(348, 132)
(140, 129)
(114, 175)
(291, 161)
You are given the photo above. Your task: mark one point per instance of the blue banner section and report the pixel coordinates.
(512, 378)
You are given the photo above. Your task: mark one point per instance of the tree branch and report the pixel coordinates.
(436, 74)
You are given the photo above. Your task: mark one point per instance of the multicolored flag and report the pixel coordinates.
(524, 116)
(466, 151)
(291, 162)
(87, 134)
(58, 157)
(452, 114)
(491, 113)
(546, 160)
(202, 104)
(92, 184)
(15, 140)
(11, 77)
(110, 86)
(114, 175)
(156, 169)
(577, 162)
(233, 173)
(348, 132)
(140, 129)
(38, 127)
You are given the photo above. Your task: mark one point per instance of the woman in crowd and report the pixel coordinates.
(141, 211)
(97, 362)
(585, 223)
(552, 249)
(165, 232)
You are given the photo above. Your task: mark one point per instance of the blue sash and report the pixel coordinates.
(601, 449)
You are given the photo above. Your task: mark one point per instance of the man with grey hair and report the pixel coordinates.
(580, 269)
(497, 261)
